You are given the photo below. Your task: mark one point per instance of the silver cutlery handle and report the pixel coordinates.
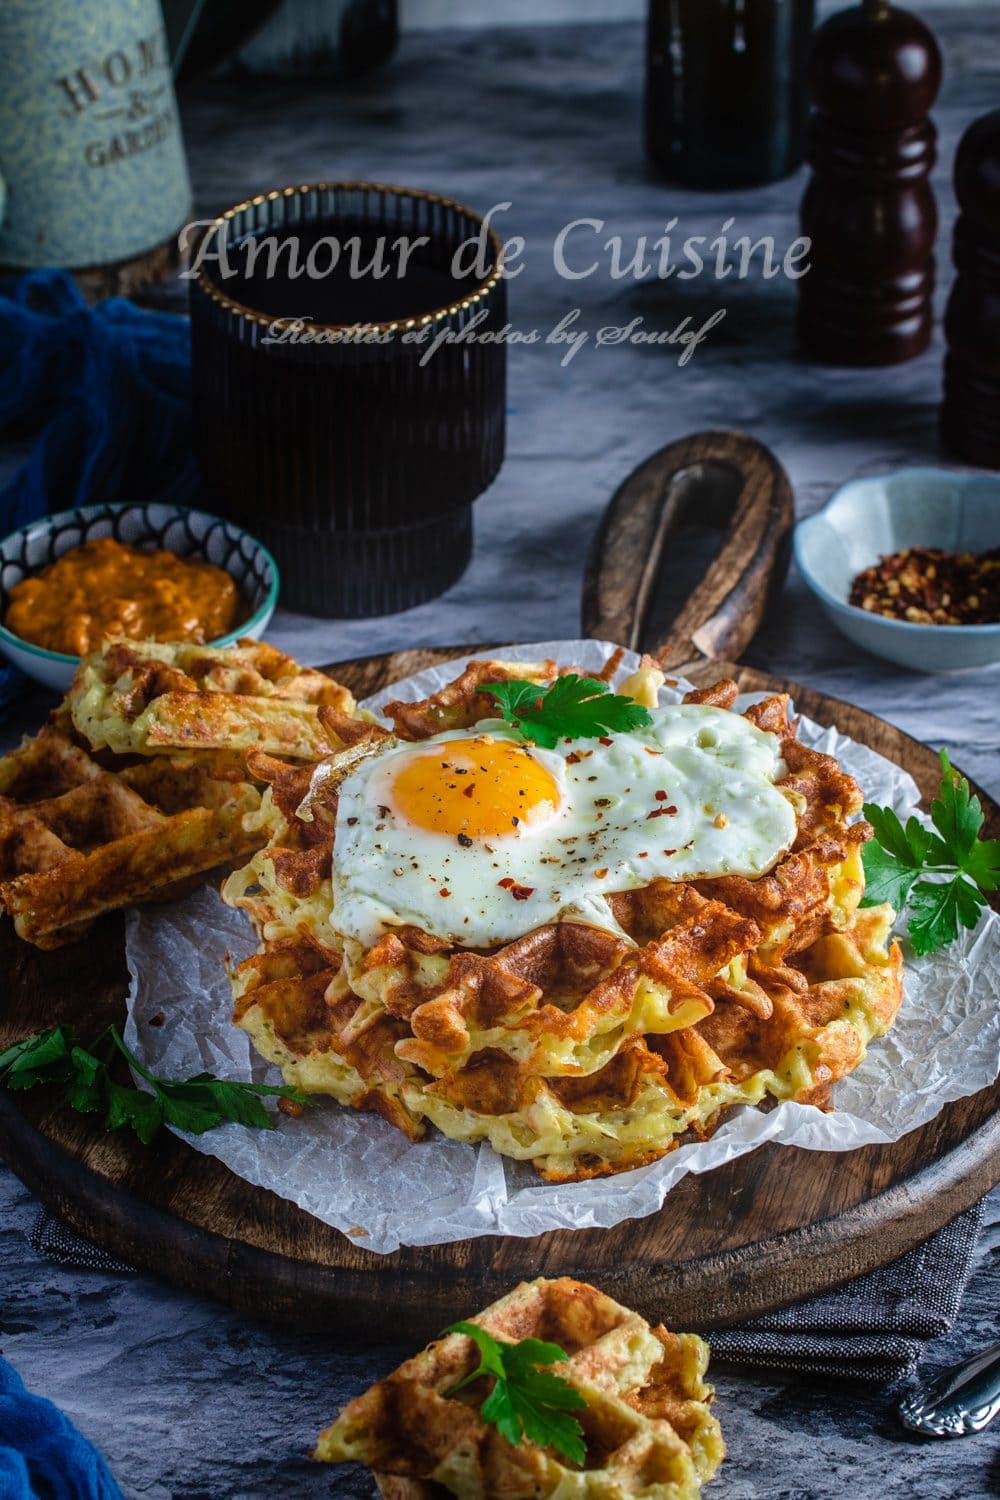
(963, 1400)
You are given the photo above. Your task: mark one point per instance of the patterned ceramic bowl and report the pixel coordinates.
(871, 518)
(188, 533)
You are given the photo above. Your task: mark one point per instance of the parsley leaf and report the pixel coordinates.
(887, 878)
(938, 909)
(958, 817)
(572, 708)
(967, 865)
(194, 1105)
(527, 1400)
(38, 1059)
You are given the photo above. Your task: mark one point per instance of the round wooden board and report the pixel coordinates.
(766, 1230)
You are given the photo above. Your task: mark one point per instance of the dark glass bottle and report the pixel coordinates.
(369, 33)
(971, 417)
(339, 39)
(726, 101)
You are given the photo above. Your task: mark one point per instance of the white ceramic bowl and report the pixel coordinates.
(189, 533)
(871, 518)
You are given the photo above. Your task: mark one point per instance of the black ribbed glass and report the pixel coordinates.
(357, 462)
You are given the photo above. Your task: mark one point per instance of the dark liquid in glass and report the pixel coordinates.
(357, 274)
(355, 454)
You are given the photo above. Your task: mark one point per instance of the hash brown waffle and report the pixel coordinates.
(148, 698)
(138, 784)
(649, 1431)
(78, 839)
(583, 1050)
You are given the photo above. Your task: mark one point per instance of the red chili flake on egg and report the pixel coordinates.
(603, 739)
(601, 874)
(519, 892)
(443, 892)
(662, 812)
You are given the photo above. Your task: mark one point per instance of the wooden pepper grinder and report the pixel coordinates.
(869, 210)
(971, 415)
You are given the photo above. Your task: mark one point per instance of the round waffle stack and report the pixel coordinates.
(585, 1049)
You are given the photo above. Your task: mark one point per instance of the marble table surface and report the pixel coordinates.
(188, 1402)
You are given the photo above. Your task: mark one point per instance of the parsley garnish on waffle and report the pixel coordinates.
(527, 1400)
(573, 708)
(962, 865)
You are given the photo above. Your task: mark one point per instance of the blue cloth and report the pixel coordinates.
(42, 1456)
(106, 389)
(106, 393)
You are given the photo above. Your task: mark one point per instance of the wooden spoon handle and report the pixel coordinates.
(703, 475)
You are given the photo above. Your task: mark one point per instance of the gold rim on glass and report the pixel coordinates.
(249, 314)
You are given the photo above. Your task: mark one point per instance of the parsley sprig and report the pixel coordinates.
(964, 866)
(527, 1400)
(572, 708)
(195, 1105)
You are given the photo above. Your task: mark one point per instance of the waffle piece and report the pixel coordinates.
(148, 698)
(648, 1428)
(77, 840)
(462, 703)
(770, 1036)
(292, 1002)
(582, 1048)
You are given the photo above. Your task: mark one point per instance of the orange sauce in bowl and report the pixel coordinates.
(105, 587)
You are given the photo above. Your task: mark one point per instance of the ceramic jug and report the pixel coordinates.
(91, 153)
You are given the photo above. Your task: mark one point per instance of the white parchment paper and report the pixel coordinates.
(359, 1174)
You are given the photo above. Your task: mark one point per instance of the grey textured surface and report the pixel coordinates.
(187, 1402)
(190, 1403)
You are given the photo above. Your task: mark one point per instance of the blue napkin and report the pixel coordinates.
(42, 1456)
(105, 391)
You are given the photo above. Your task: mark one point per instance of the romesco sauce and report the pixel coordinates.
(106, 587)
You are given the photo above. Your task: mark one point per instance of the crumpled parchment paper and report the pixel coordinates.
(357, 1173)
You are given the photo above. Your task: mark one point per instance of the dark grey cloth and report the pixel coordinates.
(56, 1240)
(873, 1329)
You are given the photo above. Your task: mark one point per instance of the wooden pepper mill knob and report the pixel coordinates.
(971, 416)
(869, 209)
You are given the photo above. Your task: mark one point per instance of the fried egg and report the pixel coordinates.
(477, 837)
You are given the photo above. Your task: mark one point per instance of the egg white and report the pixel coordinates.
(716, 769)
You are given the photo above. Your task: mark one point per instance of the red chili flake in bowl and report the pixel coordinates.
(927, 586)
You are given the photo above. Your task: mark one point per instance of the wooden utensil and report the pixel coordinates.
(765, 1230)
(723, 483)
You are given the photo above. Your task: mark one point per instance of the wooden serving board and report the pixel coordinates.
(770, 1228)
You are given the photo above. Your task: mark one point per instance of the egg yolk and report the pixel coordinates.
(475, 788)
